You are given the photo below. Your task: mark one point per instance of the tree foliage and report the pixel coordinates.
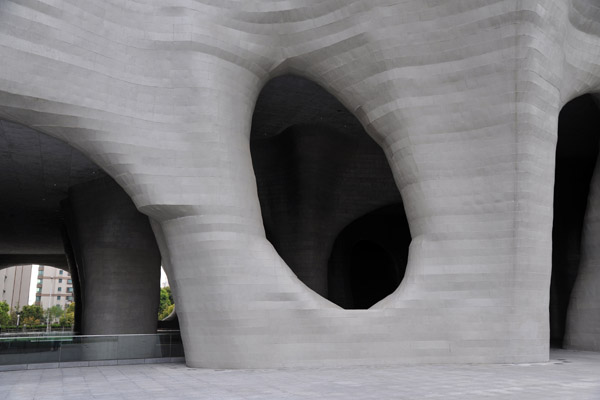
(71, 308)
(68, 317)
(166, 312)
(4, 314)
(165, 303)
(54, 312)
(32, 315)
(35, 316)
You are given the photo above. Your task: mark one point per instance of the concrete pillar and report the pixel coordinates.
(117, 258)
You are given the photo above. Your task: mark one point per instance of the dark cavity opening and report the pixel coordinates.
(318, 172)
(369, 258)
(576, 154)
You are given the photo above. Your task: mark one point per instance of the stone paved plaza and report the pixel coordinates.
(569, 375)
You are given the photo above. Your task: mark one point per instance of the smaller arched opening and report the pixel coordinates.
(37, 298)
(369, 258)
(573, 225)
(373, 273)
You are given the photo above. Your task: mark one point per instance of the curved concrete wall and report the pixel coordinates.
(462, 97)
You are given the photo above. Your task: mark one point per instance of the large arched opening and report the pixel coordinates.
(319, 174)
(60, 209)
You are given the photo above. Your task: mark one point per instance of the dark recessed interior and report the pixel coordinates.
(576, 154)
(318, 173)
(369, 258)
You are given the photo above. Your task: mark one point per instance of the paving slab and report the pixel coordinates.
(568, 375)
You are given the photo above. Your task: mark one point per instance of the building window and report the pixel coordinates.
(60, 280)
(60, 272)
(69, 281)
(70, 298)
(70, 289)
(60, 289)
(40, 281)
(41, 272)
(39, 290)
(57, 297)
(38, 298)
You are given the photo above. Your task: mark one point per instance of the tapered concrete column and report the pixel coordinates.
(117, 260)
(583, 316)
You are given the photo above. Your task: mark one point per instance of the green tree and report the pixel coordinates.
(166, 312)
(166, 300)
(4, 314)
(68, 317)
(71, 308)
(32, 315)
(167, 289)
(54, 312)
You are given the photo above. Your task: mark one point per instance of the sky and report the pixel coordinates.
(32, 284)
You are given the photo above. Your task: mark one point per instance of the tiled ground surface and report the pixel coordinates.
(570, 375)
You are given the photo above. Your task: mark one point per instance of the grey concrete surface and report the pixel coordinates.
(36, 171)
(118, 260)
(568, 375)
(463, 97)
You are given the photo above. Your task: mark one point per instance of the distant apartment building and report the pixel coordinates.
(14, 285)
(54, 286)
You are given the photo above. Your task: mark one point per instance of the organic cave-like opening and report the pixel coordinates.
(322, 181)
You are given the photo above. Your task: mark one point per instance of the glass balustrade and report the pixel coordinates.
(78, 348)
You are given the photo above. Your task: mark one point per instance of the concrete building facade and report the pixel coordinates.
(462, 99)
(54, 286)
(14, 285)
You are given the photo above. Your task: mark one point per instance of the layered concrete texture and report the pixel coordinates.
(462, 97)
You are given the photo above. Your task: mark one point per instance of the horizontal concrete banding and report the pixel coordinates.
(462, 97)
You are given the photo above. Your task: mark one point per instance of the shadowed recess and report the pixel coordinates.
(60, 209)
(576, 154)
(317, 171)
